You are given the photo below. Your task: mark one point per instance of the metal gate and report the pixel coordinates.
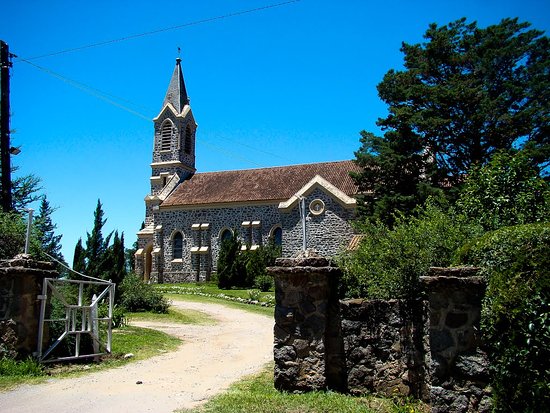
(72, 319)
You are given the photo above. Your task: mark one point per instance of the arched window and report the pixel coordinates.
(188, 140)
(225, 235)
(277, 236)
(177, 246)
(166, 135)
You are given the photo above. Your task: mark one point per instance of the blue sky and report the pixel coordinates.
(289, 84)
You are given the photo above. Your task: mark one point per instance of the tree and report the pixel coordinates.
(50, 242)
(506, 191)
(12, 235)
(463, 94)
(96, 246)
(79, 259)
(231, 270)
(116, 259)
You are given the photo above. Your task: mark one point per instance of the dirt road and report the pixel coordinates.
(211, 358)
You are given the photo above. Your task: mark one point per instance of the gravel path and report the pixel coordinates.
(211, 358)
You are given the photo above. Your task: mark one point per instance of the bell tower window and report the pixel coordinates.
(188, 140)
(166, 135)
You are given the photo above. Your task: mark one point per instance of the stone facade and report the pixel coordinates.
(429, 349)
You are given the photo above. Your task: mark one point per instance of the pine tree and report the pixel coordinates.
(96, 246)
(79, 259)
(50, 242)
(463, 95)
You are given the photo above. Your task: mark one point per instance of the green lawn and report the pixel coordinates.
(174, 316)
(256, 394)
(210, 289)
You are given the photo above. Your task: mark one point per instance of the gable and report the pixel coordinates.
(260, 185)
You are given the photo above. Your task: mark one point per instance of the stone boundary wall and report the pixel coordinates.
(20, 284)
(428, 348)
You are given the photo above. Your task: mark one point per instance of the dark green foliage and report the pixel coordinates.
(25, 191)
(394, 175)
(516, 314)
(45, 229)
(230, 268)
(13, 230)
(245, 269)
(464, 94)
(99, 259)
(97, 256)
(79, 258)
(506, 191)
(28, 367)
(118, 314)
(139, 296)
(115, 260)
(389, 262)
(12, 235)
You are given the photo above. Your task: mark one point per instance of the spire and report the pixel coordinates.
(176, 94)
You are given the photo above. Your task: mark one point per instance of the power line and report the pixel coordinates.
(110, 98)
(180, 26)
(107, 97)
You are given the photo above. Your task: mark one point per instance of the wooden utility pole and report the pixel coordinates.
(5, 64)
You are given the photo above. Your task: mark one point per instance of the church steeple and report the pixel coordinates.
(176, 94)
(174, 141)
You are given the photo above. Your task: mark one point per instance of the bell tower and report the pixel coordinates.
(174, 140)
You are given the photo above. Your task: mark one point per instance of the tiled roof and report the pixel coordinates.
(253, 185)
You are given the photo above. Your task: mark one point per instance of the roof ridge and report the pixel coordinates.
(275, 167)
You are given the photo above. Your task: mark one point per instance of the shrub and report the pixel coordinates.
(28, 367)
(264, 283)
(389, 262)
(138, 296)
(118, 317)
(245, 269)
(230, 269)
(506, 191)
(515, 317)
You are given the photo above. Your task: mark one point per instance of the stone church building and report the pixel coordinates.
(189, 214)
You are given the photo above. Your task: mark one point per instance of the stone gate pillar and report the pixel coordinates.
(20, 284)
(305, 336)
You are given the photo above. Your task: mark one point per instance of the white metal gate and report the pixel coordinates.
(75, 319)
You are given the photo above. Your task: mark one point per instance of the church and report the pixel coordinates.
(306, 207)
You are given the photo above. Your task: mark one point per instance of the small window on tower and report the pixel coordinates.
(166, 135)
(188, 140)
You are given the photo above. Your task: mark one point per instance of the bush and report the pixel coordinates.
(138, 296)
(230, 268)
(515, 317)
(506, 191)
(389, 262)
(245, 269)
(28, 367)
(119, 317)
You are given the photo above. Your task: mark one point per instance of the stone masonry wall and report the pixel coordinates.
(20, 284)
(302, 336)
(429, 349)
(459, 366)
(386, 346)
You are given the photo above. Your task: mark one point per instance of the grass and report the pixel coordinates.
(210, 289)
(256, 394)
(267, 311)
(173, 316)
